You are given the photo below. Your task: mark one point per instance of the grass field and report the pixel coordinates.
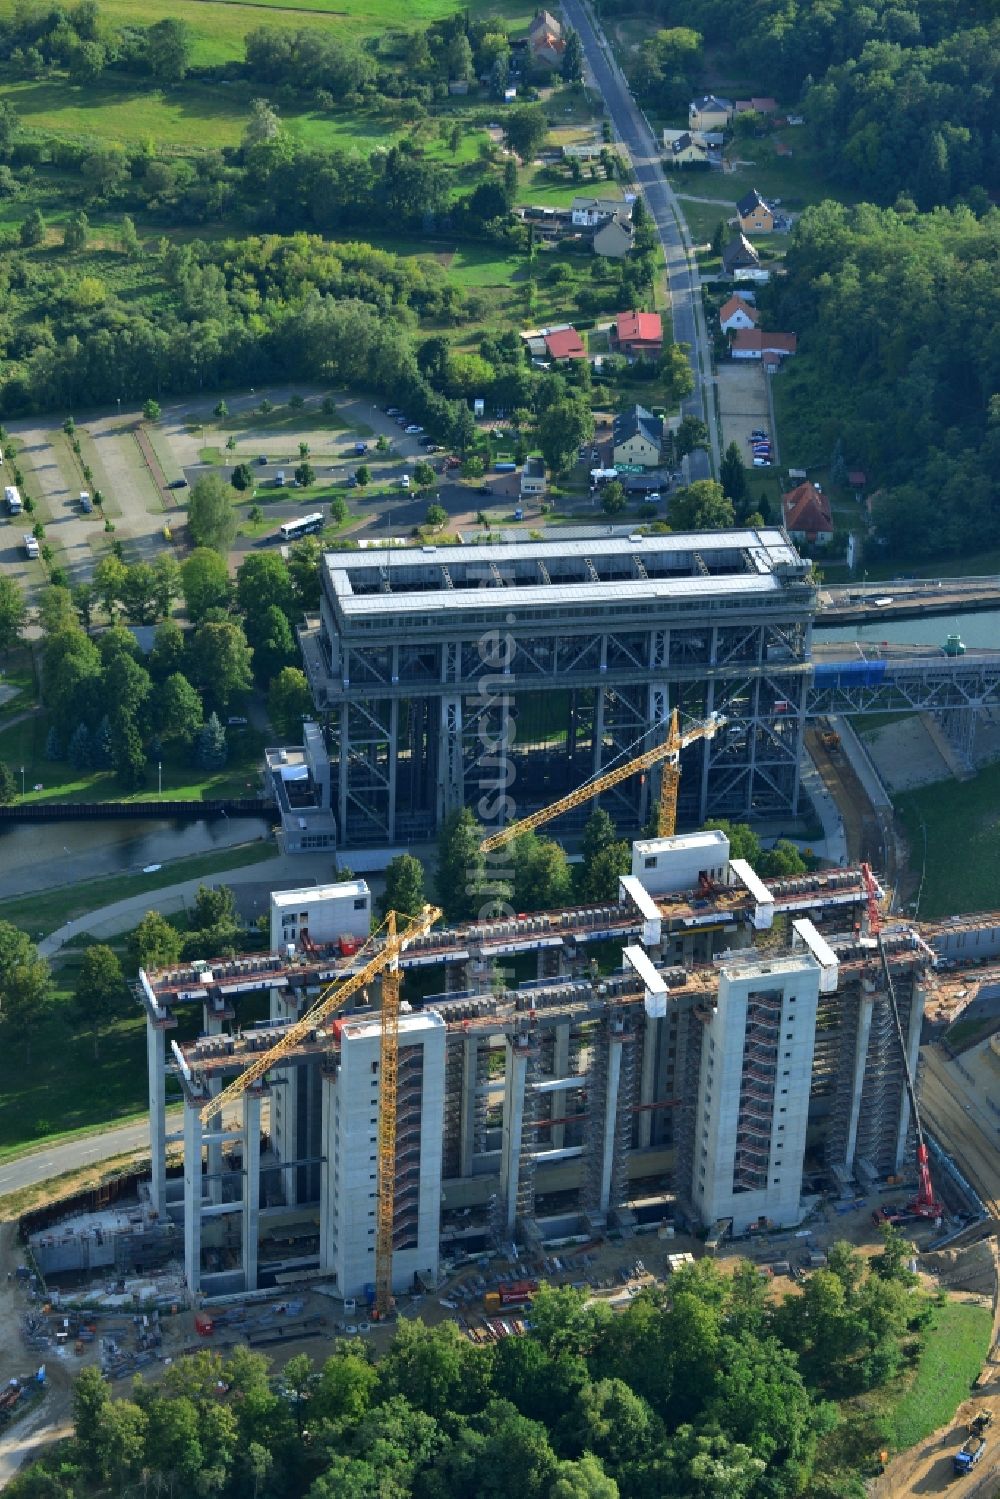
(45, 911)
(955, 1346)
(958, 815)
(24, 744)
(219, 26)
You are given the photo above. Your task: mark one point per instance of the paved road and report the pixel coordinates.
(55, 1160)
(685, 290)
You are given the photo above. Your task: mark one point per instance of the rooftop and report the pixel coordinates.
(544, 573)
(647, 326)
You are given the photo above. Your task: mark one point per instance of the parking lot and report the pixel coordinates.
(743, 405)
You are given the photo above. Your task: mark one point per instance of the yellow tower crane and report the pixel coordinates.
(385, 961)
(666, 813)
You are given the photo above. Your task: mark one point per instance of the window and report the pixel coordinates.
(786, 1058)
(782, 1111)
(361, 904)
(649, 862)
(786, 1074)
(784, 1090)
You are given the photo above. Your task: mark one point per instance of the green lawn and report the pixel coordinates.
(24, 744)
(61, 1089)
(956, 1344)
(961, 815)
(45, 911)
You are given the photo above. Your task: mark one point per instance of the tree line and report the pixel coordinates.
(705, 1387)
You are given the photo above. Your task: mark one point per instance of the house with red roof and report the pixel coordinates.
(754, 343)
(806, 514)
(637, 334)
(737, 313)
(564, 343)
(546, 40)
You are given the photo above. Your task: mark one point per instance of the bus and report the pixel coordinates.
(291, 530)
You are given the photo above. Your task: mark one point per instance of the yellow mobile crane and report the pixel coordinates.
(666, 813)
(385, 962)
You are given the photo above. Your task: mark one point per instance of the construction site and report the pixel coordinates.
(369, 1119)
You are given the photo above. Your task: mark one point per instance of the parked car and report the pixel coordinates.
(391, 410)
(178, 484)
(262, 459)
(86, 503)
(413, 429)
(404, 482)
(401, 421)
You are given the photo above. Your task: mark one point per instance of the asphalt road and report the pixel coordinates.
(685, 290)
(54, 1160)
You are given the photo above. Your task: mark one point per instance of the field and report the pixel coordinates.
(956, 1344)
(957, 815)
(219, 26)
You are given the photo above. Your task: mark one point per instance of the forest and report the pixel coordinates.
(705, 1387)
(900, 365)
(899, 96)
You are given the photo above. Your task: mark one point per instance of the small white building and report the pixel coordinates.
(737, 313)
(349, 1173)
(321, 914)
(667, 866)
(533, 482)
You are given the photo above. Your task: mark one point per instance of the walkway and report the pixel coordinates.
(282, 873)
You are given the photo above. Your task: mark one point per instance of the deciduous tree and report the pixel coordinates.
(100, 989)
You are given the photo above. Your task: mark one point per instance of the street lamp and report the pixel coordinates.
(22, 780)
(159, 777)
(119, 400)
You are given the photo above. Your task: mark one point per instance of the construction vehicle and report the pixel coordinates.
(970, 1454)
(925, 1204)
(666, 815)
(517, 1292)
(384, 961)
(980, 1423)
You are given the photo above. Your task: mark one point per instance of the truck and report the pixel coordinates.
(970, 1454)
(12, 495)
(980, 1423)
(513, 1293)
(31, 545)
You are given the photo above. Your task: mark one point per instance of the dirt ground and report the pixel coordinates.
(743, 404)
(49, 1421)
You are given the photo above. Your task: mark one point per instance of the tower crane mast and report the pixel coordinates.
(925, 1204)
(385, 961)
(669, 751)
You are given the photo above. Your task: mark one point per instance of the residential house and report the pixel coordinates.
(590, 213)
(737, 313)
(636, 437)
(709, 113)
(637, 334)
(755, 215)
(806, 514)
(533, 478)
(760, 104)
(739, 254)
(687, 150)
(564, 343)
(546, 42)
(615, 238)
(713, 139)
(754, 343)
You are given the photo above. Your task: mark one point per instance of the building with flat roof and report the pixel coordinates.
(501, 676)
(703, 1078)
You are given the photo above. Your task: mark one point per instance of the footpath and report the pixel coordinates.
(282, 873)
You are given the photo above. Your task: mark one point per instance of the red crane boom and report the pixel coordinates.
(925, 1204)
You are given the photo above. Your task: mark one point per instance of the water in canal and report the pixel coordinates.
(981, 630)
(36, 856)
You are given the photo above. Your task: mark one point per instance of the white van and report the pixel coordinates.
(404, 482)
